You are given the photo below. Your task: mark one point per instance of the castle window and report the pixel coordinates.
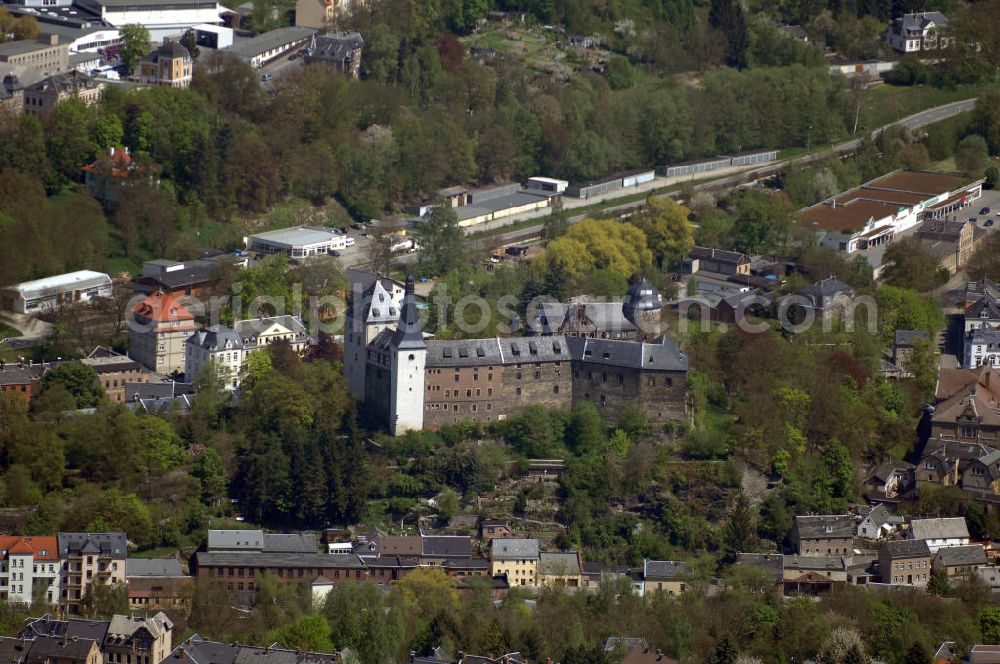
(489, 406)
(669, 381)
(621, 379)
(652, 381)
(538, 375)
(412, 357)
(456, 375)
(518, 391)
(489, 391)
(447, 393)
(475, 408)
(519, 375)
(468, 393)
(555, 389)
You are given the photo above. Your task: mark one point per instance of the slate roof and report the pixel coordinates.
(826, 526)
(985, 308)
(905, 338)
(47, 625)
(826, 288)
(194, 273)
(663, 569)
(262, 559)
(289, 543)
(772, 563)
(641, 296)
(559, 564)
(165, 389)
(935, 529)
(121, 628)
(721, 255)
(252, 327)
(268, 41)
(992, 463)
(907, 548)
(814, 563)
(336, 46)
(513, 548)
(153, 567)
(409, 331)
(13, 650)
(948, 450)
(449, 546)
(216, 338)
(886, 469)
(45, 649)
(471, 352)
(914, 24)
(951, 556)
(69, 83)
(113, 544)
(661, 356)
(235, 539)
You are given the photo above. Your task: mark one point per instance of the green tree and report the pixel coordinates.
(103, 601)
(971, 154)
(909, 265)
(440, 240)
(924, 367)
(740, 529)
(989, 624)
(447, 502)
(556, 224)
(620, 443)
(311, 633)
(80, 380)
(938, 585)
(190, 42)
(136, 43)
(917, 654)
(728, 16)
(669, 233)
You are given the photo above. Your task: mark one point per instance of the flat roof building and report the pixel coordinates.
(60, 290)
(163, 18)
(299, 241)
(45, 54)
(265, 47)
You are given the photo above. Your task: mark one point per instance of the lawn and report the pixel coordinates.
(7, 332)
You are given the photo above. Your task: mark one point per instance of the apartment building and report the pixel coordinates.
(29, 568)
(88, 559)
(515, 558)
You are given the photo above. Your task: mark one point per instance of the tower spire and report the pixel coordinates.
(409, 332)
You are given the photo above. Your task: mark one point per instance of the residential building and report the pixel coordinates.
(492, 528)
(972, 413)
(258, 51)
(158, 584)
(76, 629)
(716, 261)
(29, 569)
(444, 549)
(905, 562)
(959, 562)
(903, 343)
(11, 94)
(827, 298)
(41, 97)
(890, 478)
(63, 650)
(161, 326)
(340, 50)
(664, 576)
(227, 348)
(951, 242)
(877, 523)
(63, 290)
(45, 54)
(492, 379)
(114, 370)
(138, 640)
(21, 378)
(873, 214)
(982, 348)
(983, 474)
(939, 533)
(983, 311)
(824, 535)
(771, 568)
(944, 461)
(515, 558)
(90, 559)
(105, 176)
(177, 277)
(220, 541)
(563, 570)
(196, 650)
(162, 20)
(919, 31)
(170, 65)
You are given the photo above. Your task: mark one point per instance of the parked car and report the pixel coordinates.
(989, 222)
(350, 242)
(985, 210)
(334, 252)
(293, 56)
(266, 77)
(496, 258)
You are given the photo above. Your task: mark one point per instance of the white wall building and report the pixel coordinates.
(372, 309)
(163, 18)
(939, 533)
(920, 31)
(228, 347)
(68, 289)
(297, 241)
(29, 565)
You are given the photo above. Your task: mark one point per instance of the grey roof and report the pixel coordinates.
(988, 336)
(513, 548)
(473, 352)
(79, 280)
(68, 83)
(162, 405)
(230, 540)
(906, 548)
(192, 273)
(905, 338)
(121, 628)
(46, 649)
(196, 650)
(879, 515)
(170, 49)
(216, 338)
(721, 255)
(886, 469)
(962, 555)
(466, 563)
(641, 296)
(626, 643)
(915, 23)
(661, 356)
(18, 374)
(336, 46)
(263, 559)
(825, 526)
(449, 546)
(255, 46)
(953, 449)
(934, 529)
(289, 543)
(250, 328)
(986, 308)
(153, 567)
(772, 563)
(814, 563)
(485, 202)
(13, 650)
(409, 334)
(558, 564)
(112, 544)
(829, 287)
(664, 570)
(20, 46)
(296, 236)
(47, 625)
(548, 317)
(378, 302)
(167, 389)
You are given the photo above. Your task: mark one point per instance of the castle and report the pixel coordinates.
(610, 354)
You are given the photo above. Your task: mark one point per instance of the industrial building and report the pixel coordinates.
(32, 297)
(611, 183)
(259, 50)
(297, 242)
(701, 166)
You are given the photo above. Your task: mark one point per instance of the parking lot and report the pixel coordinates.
(991, 220)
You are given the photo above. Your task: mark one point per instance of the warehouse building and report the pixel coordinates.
(261, 49)
(611, 183)
(32, 297)
(296, 242)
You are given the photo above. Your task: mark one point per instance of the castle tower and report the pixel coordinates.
(368, 313)
(642, 308)
(409, 358)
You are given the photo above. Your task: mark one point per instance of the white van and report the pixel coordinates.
(350, 242)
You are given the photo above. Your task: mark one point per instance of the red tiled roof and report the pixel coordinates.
(35, 545)
(163, 308)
